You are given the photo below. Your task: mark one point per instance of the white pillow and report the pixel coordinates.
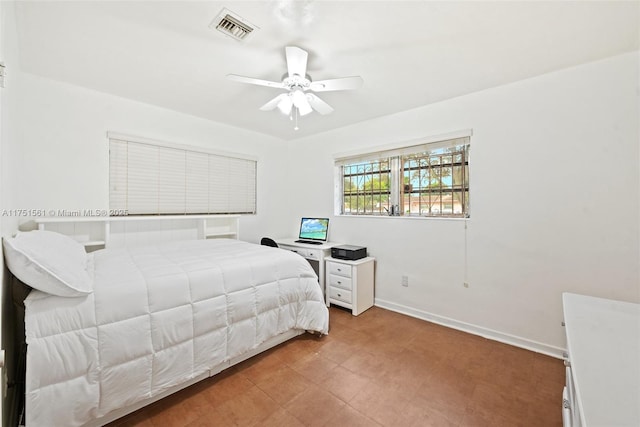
(50, 262)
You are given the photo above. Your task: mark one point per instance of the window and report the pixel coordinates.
(428, 180)
(436, 183)
(366, 187)
(149, 178)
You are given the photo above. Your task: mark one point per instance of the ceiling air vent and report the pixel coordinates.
(233, 25)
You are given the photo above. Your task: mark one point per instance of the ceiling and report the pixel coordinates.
(409, 54)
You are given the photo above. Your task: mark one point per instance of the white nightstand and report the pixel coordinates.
(350, 284)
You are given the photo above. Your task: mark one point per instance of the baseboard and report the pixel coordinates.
(491, 334)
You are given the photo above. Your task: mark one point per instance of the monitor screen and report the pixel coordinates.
(314, 228)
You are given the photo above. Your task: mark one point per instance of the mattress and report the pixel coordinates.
(158, 317)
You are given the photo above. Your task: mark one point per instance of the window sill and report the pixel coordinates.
(411, 218)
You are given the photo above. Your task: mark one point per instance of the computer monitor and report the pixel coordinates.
(314, 230)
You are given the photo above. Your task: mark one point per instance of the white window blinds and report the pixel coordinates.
(148, 179)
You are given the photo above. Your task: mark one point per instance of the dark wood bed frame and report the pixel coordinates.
(14, 343)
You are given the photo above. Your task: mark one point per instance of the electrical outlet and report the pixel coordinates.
(405, 280)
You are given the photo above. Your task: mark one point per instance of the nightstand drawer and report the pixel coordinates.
(340, 294)
(339, 269)
(340, 282)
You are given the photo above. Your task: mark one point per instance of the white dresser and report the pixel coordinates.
(603, 362)
(350, 284)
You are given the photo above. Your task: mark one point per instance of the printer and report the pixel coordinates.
(349, 252)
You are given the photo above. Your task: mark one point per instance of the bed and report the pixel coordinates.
(128, 326)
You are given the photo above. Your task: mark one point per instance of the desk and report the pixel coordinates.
(316, 253)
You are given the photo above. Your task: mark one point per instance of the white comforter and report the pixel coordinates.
(158, 317)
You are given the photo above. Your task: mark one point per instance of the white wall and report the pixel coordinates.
(63, 148)
(554, 203)
(10, 146)
(9, 97)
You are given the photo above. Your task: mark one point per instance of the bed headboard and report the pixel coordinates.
(129, 231)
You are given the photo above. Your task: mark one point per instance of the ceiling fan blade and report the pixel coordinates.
(296, 61)
(319, 105)
(274, 102)
(251, 80)
(344, 83)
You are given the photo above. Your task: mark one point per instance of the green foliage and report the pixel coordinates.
(367, 192)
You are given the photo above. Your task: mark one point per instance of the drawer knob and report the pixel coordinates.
(339, 295)
(339, 282)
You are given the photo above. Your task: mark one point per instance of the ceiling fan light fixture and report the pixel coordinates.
(304, 110)
(301, 102)
(285, 105)
(299, 97)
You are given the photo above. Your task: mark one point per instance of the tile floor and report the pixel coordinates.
(378, 369)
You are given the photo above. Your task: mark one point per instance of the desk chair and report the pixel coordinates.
(266, 241)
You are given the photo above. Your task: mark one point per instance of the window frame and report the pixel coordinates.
(395, 155)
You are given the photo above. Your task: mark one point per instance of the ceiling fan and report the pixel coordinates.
(297, 101)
